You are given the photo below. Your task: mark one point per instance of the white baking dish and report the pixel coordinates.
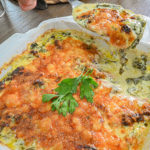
(17, 43)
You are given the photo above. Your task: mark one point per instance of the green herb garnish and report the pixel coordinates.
(63, 101)
(86, 88)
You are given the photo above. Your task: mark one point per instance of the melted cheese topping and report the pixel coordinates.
(111, 122)
(123, 28)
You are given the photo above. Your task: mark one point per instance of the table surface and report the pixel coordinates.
(17, 21)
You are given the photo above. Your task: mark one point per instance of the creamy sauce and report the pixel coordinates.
(134, 79)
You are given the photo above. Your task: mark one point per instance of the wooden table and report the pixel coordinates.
(18, 21)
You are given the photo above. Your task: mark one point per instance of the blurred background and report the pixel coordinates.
(15, 20)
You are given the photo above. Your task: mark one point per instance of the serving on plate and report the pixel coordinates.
(62, 93)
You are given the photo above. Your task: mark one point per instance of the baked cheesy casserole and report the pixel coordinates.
(65, 92)
(123, 28)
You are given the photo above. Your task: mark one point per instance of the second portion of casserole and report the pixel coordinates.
(122, 27)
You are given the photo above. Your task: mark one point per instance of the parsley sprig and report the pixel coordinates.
(63, 101)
